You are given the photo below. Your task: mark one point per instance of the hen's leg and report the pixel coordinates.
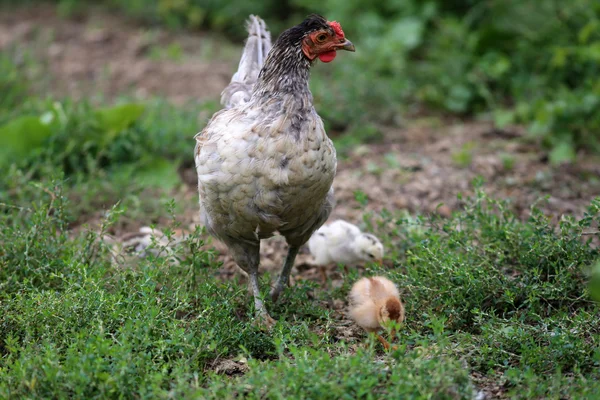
(263, 317)
(247, 255)
(285, 272)
(298, 238)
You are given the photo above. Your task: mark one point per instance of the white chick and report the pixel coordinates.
(374, 302)
(342, 242)
(140, 243)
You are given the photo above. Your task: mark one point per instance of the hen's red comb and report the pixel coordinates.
(337, 28)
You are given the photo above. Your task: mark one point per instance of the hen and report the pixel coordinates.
(265, 163)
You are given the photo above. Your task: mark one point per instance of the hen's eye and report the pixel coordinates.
(321, 38)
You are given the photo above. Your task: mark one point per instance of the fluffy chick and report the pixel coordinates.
(374, 302)
(343, 242)
(147, 241)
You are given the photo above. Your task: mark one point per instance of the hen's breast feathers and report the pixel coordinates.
(253, 58)
(252, 175)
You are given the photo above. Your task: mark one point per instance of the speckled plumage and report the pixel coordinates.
(265, 163)
(257, 175)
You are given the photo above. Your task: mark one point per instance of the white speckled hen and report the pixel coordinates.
(265, 163)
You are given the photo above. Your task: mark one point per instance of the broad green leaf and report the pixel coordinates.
(20, 136)
(114, 120)
(559, 58)
(587, 31)
(459, 97)
(503, 118)
(562, 152)
(594, 285)
(155, 172)
(159, 173)
(408, 31)
(539, 128)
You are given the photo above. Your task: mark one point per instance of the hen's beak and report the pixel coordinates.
(346, 45)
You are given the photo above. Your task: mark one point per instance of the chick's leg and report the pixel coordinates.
(247, 256)
(285, 272)
(384, 342)
(297, 239)
(323, 273)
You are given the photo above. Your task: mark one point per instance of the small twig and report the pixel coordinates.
(52, 195)
(590, 233)
(15, 207)
(52, 198)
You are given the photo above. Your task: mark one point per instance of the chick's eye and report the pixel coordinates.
(371, 255)
(321, 37)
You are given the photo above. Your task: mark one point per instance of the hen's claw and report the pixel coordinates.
(264, 321)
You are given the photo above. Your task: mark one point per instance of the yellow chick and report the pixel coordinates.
(374, 302)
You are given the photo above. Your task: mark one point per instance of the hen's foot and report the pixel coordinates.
(276, 292)
(263, 321)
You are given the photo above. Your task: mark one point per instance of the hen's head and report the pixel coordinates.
(318, 38)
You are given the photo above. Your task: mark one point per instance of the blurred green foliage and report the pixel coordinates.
(13, 89)
(522, 61)
(533, 62)
(130, 141)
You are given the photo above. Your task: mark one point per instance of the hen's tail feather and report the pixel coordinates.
(255, 52)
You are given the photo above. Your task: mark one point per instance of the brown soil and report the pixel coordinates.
(103, 56)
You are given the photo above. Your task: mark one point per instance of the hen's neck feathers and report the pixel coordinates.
(286, 69)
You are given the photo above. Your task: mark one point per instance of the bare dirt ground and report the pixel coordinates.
(105, 55)
(419, 168)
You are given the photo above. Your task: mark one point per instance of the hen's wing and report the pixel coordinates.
(236, 93)
(255, 52)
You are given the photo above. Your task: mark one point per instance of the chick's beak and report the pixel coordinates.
(346, 45)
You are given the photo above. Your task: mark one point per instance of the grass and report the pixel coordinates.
(485, 293)
(493, 302)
